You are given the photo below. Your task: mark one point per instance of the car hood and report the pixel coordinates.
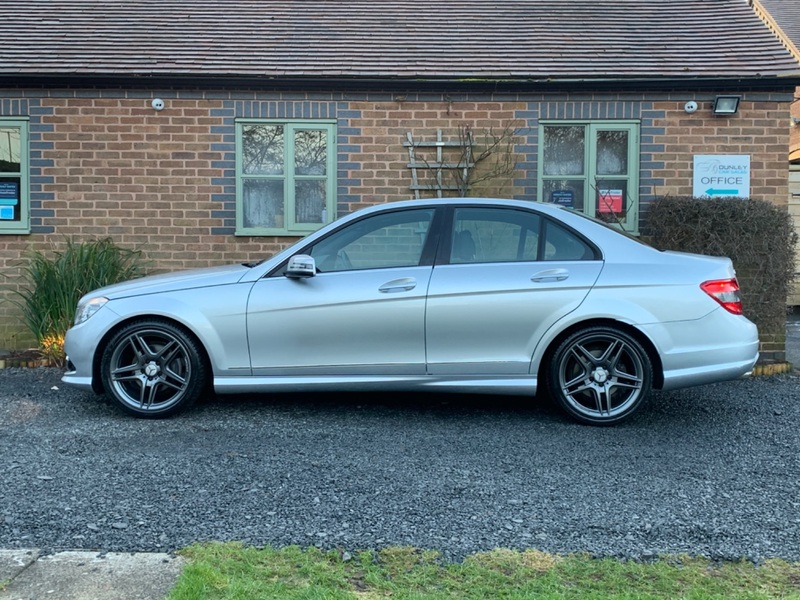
(170, 282)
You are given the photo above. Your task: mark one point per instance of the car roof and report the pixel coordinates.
(431, 202)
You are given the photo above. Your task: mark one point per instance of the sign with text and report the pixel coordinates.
(609, 201)
(563, 197)
(9, 199)
(721, 175)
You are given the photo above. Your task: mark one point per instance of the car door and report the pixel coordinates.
(363, 313)
(503, 277)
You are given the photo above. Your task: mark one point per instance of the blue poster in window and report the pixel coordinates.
(9, 199)
(563, 197)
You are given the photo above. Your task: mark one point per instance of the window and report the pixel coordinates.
(592, 167)
(394, 239)
(494, 235)
(14, 198)
(285, 176)
(482, 235)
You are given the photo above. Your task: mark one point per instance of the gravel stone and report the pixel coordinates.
(713, 471)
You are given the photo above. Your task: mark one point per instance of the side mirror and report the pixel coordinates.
(301, 266)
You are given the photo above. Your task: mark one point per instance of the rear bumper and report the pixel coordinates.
(718, 347)
(677, 379)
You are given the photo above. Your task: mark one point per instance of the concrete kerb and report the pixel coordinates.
(26, 573)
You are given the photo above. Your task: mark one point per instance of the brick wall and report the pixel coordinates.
(378, 160)
(104, 163)
(759, 129)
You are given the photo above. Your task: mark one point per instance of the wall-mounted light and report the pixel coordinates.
(726, 105)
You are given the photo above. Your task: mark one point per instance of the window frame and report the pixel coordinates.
(630, 223)
(290, 228)
(23, 226)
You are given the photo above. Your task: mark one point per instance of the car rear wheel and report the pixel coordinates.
(600, 375)
(152, 368)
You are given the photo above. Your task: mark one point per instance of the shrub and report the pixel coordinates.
(55, 281)
(757, 236)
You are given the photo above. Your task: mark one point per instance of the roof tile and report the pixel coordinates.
(445, 39)
(786, 13)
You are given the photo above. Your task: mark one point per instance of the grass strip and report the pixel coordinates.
(233, 571)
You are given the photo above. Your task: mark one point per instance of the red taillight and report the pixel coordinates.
(726, 292)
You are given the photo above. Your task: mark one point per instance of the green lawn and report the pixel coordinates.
(232, 571)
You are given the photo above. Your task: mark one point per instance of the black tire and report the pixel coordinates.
(599, 375)
(152, 369)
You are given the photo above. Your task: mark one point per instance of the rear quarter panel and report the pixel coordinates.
(646, 289)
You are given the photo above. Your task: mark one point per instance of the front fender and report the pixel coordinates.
(217, 316)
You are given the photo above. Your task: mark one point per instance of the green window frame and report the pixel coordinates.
(14, 176)
(285, 176)
(593, 167)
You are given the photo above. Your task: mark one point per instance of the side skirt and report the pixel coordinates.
(512, 386)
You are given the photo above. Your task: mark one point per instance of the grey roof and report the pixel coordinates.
(786, 13)
(391, 39)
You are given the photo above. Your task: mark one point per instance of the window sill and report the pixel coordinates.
(273, 232)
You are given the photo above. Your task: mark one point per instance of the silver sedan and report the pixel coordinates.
(456, 295)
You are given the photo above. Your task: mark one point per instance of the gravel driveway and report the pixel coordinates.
(712, 470)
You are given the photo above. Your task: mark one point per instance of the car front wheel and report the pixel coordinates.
(152, 368)
(600, 375)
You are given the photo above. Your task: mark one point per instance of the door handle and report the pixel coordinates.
(550, 275)
(398, 285)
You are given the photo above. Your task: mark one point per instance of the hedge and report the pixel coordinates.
(758, 236)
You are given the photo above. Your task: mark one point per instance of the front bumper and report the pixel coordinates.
(81, 345)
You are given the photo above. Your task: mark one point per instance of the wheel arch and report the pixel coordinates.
(97, 380)
(637, 334)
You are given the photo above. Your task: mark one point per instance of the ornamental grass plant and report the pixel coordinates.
(55, 280)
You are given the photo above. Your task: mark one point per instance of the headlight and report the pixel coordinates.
(88, 308)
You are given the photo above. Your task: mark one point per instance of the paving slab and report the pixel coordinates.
(88, 575)
(13, 562)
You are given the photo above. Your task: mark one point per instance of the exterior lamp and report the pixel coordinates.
(726, 105)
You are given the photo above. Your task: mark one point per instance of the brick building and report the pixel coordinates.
(205, 140)
(783, 17)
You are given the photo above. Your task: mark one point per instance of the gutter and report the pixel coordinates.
(784, 82)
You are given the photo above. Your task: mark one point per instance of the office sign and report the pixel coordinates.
(721, 175)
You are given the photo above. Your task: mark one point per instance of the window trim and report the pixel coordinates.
(290, 227)
(23, 226)
(591, 127)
